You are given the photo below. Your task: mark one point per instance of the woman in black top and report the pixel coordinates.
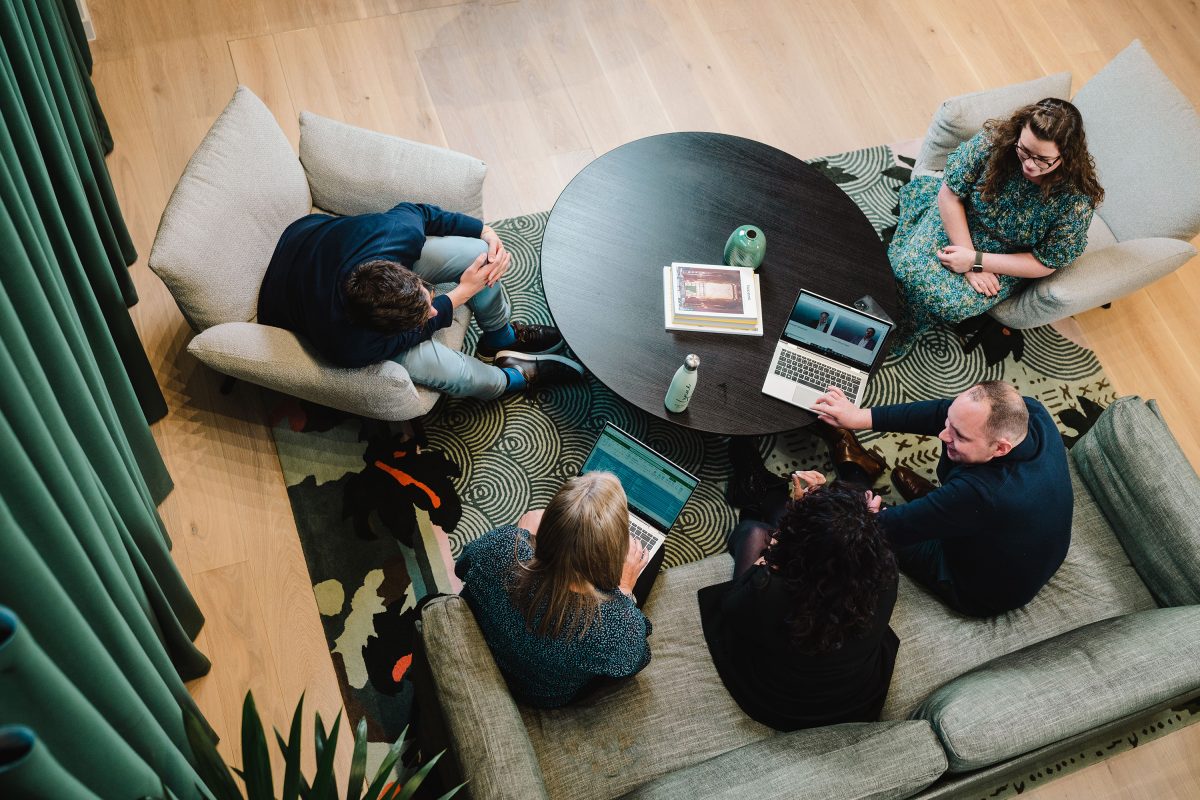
(800, 635)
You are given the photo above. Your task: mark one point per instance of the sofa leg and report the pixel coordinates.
(1107, 305)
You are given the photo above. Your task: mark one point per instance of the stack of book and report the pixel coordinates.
(712, 298)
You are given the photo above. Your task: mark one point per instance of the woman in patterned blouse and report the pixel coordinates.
(553, 595)
(1014, 205)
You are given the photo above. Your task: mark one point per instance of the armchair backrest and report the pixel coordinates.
(241, 188)
(356, 171)
(1145, 137)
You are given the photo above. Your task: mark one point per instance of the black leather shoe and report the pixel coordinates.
(531, 339)
(910, 484)
(540, 369)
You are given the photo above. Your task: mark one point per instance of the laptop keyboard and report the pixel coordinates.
(816, 374)
(644, 534)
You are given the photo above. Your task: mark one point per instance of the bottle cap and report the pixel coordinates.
(692, 361)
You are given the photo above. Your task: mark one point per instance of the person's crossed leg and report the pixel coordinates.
(521, 354)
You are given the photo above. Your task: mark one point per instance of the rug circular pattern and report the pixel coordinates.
(519, 450)
(355, 485)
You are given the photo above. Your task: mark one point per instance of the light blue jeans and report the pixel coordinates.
(443, 260)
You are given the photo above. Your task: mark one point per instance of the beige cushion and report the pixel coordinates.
(280, 360)
(356, 171)
(960, 118)
(1145, 137)
(1095, 582)
(1095, 278)
(241, 188)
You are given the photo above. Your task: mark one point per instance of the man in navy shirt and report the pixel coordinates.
(360, 289)
(997, 529)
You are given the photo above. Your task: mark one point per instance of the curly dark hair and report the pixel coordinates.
(833, 555)
(1051, 120)
(385, 296)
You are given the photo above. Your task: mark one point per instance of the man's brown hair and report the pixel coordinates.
(385, 296)
(1008, 416)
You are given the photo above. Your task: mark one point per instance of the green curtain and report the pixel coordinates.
(96, 623)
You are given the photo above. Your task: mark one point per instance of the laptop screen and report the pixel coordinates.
(836, 331)
(657, 489)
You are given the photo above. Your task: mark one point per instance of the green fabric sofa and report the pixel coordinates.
(971, 701)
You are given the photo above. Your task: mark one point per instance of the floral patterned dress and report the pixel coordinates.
(1017, 220)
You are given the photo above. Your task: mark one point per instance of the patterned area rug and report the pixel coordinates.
(383, 509)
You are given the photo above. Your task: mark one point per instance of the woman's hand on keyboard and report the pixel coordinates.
(635, 562)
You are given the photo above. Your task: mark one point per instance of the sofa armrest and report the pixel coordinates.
(1093, 279)
(278, 359)
(1066, 685)
(485, 727)
(355, 171)
(1147, 489)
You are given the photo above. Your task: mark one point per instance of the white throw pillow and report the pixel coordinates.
(960, 118)
(241, 188)
(356, 171)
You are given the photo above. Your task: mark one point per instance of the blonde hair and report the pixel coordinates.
(579, 551)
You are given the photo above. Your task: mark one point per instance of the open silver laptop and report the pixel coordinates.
(824, 343)
(656, 489)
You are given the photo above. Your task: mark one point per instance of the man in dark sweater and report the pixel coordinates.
(360, 289)
(996, 530)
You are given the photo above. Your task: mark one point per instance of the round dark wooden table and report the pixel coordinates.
(677, 197)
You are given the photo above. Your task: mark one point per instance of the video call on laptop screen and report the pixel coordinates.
(657, 489)
(835, 331)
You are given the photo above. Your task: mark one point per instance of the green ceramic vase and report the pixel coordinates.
(746, 247)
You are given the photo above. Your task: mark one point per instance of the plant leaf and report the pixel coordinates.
(209, 765)
(385, 767)
(414, 783)
(256, 761)
(452, 792)
(320, 735)
(291, 755)
(323, 785)
(358, 762)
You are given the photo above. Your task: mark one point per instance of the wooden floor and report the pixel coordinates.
(537, 88)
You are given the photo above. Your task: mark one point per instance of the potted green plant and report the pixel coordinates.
(257, 778)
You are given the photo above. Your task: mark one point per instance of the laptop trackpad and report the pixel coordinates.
(804, 396)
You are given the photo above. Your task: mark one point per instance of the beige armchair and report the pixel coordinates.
(241, 188)
(1145, 137)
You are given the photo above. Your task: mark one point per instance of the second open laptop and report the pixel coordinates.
(655, 488)
(824, 343)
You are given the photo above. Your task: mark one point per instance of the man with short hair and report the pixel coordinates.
(868, 339)
(821, 323)
(999, 526)
(361, 290)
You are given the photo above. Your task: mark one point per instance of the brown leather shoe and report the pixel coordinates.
(910, 484)
(844, 448)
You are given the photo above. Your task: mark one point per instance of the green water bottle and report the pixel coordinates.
(679, 393)
(746, 247)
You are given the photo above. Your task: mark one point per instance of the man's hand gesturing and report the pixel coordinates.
(834, 408)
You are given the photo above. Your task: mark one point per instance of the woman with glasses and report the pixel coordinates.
(1013, 205)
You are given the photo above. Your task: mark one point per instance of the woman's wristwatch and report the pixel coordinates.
(978, 265)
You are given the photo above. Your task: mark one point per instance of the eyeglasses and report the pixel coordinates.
(1040, 161)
